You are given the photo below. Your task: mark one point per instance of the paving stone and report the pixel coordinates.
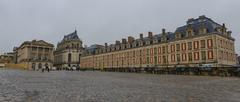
(87, 86)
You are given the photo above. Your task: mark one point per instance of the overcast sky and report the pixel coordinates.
(100, 21)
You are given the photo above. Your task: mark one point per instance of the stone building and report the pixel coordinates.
(7, 58)
(36, 54)
(201, 42)
(238, 60)
(68, 52)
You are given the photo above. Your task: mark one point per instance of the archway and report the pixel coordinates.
(46, 65)
(69, 57)
(40, 66)
(33, 66)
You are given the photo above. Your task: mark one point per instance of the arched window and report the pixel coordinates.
(79, 58)
(77, 45)
(72, 45)
(33, 66)
(40, 66)
(69, 57)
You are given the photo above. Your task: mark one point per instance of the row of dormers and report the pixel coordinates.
(194, 27)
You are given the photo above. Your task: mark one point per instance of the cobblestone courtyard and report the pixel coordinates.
(88, 86)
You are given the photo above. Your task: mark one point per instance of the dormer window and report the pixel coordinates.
(151, 41)
(140, 43)
(134, 44)
(189, 33)
(148, 42)
(155, 41)
(122, 46)
(178, 35)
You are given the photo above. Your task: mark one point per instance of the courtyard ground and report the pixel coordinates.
(95, 86)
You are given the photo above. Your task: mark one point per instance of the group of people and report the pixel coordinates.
(47, 69)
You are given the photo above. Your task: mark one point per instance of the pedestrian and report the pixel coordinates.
(42, 69)
(48, 69)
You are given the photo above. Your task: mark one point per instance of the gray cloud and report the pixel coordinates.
(100, 21)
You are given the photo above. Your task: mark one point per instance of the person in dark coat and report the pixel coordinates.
(42, 69)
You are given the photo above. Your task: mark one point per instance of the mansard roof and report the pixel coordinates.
(92, 48)
(197, 23)
(71, 36)
(194, 24)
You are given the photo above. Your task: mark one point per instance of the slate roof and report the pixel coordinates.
(195, 24)
(71, 36)
(92, 48)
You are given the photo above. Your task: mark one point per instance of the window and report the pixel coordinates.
(133, 53)
(189, 56)
(40, 49)
(148, 51)
(151, 51)
(203, 54)
(178, 57)
(155, 50)
(34, 48)
(159, 50)
(178, 47)
(69, 57)
(196, 44)
(210, 54)
(163, 49)
(159, 59)
(178, 35)
(203, 44)
(189, 33)
(189, 45)
(172, 48)
(184, 57)
(196, 55)
(73, 45)
(78, 46)
(164, 59)
(151, 60)
(155, 60)
(173, 57)
(148, 60)
(210, 43)
(183, 46)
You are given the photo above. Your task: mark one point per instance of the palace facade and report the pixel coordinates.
(68, 52)
(7, 58)
(36, 54)
(201, 42)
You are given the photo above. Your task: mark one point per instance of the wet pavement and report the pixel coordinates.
(89, 86)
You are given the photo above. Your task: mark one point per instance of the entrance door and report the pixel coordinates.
(33, 66)
(40, 66)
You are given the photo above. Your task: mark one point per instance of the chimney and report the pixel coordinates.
(124, 41)
(150, 34)
(163, 31)
(190, 20)
(130, 39)
(106, 44)
(117, 42)
(224, 25)
(141, 36)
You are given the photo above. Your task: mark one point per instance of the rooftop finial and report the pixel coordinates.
(75, 30)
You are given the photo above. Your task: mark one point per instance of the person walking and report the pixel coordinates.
(42, 70)
(48, 69)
